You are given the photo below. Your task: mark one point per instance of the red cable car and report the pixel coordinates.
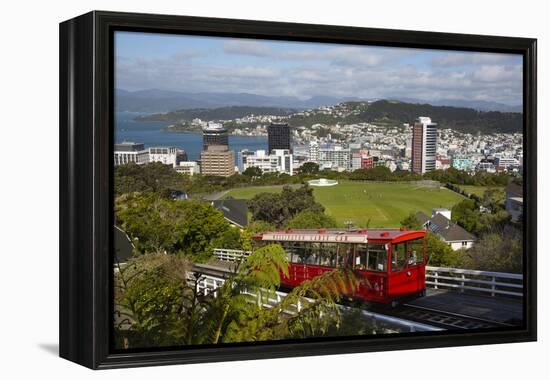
(393, 261)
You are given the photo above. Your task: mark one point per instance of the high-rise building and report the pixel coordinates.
(218, 160)
(313, 152)
(424, 145)
(278, 136)
(214, 134)
(127, 152)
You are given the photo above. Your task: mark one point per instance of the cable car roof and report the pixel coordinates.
(342, 235)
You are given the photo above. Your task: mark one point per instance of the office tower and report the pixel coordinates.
(218, 160)
(424, 145)
(214, 134)
(278, 136)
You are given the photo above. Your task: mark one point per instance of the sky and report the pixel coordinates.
(196, 64)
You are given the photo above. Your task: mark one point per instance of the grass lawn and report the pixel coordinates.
(479, 190)
(385, 204)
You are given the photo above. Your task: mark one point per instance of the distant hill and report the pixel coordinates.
(222, 113)
(480, 105)
(382, 113)
(457, 118)
(156, 101)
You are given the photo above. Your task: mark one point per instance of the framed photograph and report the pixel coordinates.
(235, 189)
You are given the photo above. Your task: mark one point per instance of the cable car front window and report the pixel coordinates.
(372, 257)
(399, 257)
(416, 252)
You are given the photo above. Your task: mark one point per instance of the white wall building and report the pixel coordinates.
(127, 152)
(166, 155)
(424, 145)
(334, 157)
(279, 161)
(188, 167)
(314, 152)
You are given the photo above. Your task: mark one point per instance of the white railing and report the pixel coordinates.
(230, 254)
(208, 284)
(493, 283)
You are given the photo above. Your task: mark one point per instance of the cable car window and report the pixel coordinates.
(399, 257)
(327, 254)
(291, 257)
(377, 257)
(371, 257)
(416, 252)
(345, 255)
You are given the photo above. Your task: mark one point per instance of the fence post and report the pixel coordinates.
(462, 283)
(435, 279)
(493, 287)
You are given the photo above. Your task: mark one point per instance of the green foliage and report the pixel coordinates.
(467, 214)
(165, 309)
(499, 251)
(411, 222)
(191, 228)
(311, 219)
(149, 292)
(277, 209)
(153, 177)
(309, 168)
(460, 177)
(253, 172)
(439, 254)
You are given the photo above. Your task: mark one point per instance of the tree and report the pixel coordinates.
(277, 209)
(498, 251)
(253, 172)
(190, 228)
(438, 253)
(411, 222)
(309, 168)
(467, 215)
(311, 219)
(153, 177)
(165, 308)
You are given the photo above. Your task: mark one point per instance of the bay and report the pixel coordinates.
(151, 134)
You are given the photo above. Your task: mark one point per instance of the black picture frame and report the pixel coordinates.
(86, 210)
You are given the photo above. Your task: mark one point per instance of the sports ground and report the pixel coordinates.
(380, 204)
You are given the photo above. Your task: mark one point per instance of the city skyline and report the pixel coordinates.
(302, 69)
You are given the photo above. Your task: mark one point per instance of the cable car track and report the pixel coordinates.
(448, 320)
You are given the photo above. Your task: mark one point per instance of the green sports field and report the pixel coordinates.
(479, 190)
(384, 204)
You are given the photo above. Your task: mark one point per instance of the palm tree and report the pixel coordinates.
(235, 311)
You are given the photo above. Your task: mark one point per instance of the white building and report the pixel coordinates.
(506, 162)
(314, 152)
(334, 157)
(127, 152)
(449, 232)
(166, 155)
(279, 161)
(424, 145)
(188, 167)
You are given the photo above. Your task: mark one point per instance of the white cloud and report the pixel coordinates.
(247, 47)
